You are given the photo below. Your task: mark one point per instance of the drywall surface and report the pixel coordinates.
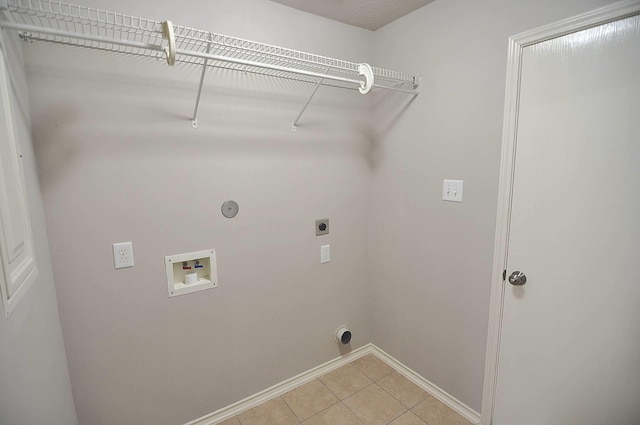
(120, 162)
(34, 378)
(431, 260)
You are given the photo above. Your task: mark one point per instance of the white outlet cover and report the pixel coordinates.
(122, 255)
(325, 254)
(452, 190)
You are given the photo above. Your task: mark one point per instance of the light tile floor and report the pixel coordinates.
(366, 391)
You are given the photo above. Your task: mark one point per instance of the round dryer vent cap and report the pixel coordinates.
(230, 209)
(343, 335)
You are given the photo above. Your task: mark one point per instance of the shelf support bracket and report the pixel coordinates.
(294, 126)
(365, 70)
(417, 79)
(169, 35)
(194, 121)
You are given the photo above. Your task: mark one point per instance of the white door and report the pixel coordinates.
(569, 351)
(18, 268)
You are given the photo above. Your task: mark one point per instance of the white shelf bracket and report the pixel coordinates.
(417, 79)
(365, 70)
(169, 35)
(194, 121)
(294, 126)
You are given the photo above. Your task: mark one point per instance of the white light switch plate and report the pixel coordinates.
(122, 255)
(452, 190)
(325, 254)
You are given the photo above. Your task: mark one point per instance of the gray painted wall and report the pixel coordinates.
(119, 162)
(431, 260)
(34, 378)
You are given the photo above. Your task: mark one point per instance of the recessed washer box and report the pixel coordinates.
(191, 272)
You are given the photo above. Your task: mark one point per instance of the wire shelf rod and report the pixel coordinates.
(268, 66)
(88, 37)
(380, 86)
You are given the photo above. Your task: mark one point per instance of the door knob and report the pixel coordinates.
(517, 278)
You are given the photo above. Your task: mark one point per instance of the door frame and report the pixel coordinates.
(517, 43)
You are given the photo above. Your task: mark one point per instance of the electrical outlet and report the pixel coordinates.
(322, 227)
(122, 255)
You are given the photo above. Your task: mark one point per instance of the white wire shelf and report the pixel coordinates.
(63, 23)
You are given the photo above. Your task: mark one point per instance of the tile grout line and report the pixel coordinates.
(396, 398)
(346, 397)
(325, 385)
(338, 398)
(289, 406)
(364, 388)
(351, 395)
(352, 412)
(317, 413)
(407, 409)
(375, 382)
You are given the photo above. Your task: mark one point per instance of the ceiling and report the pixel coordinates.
(369, 14)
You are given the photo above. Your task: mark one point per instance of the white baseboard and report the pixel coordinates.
(310, 375)
(455, 404)
(281, 388)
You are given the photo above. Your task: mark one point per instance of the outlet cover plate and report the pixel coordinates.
(452, 190)
(122, 255)
(325, 254)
